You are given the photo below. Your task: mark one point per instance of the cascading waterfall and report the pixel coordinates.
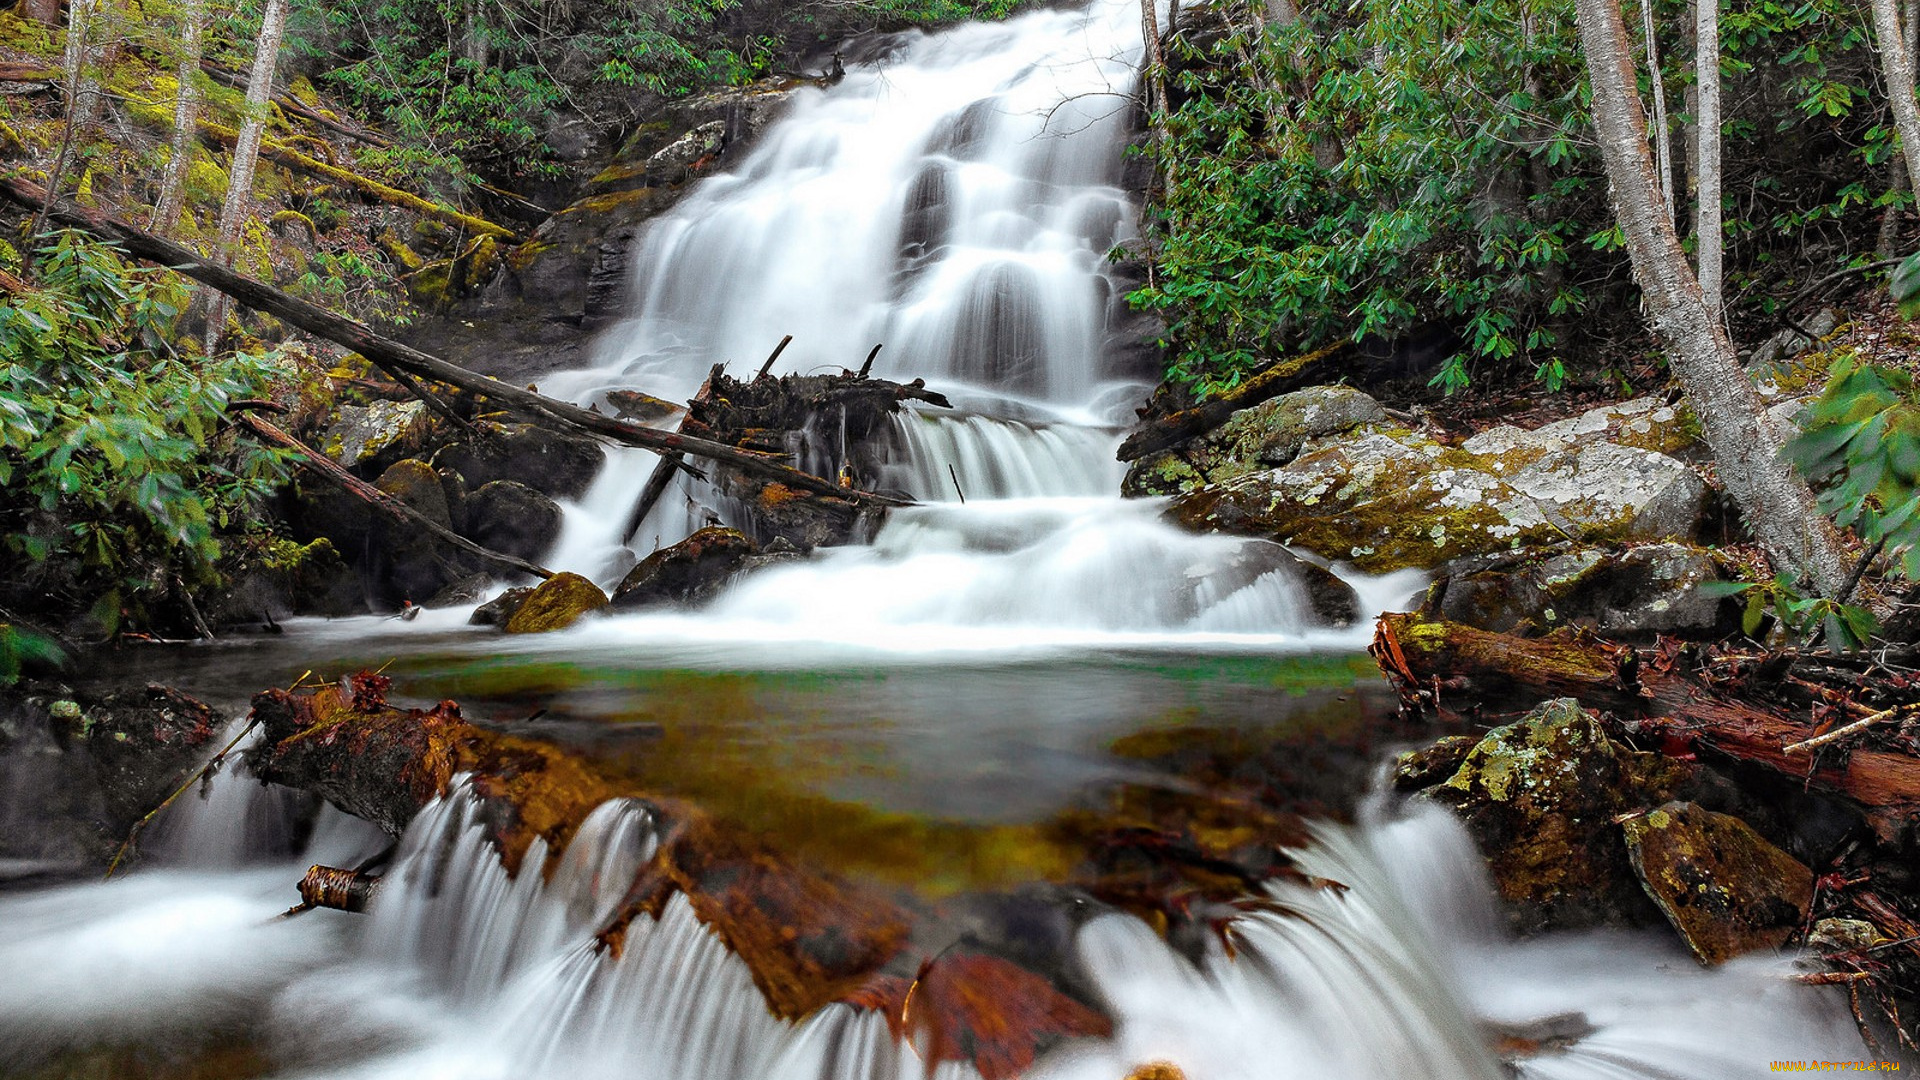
(462, 971)
(956, 201)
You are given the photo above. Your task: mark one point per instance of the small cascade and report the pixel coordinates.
(461, 970)
(945, 457)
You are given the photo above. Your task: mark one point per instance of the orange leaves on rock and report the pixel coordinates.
(978, 1008)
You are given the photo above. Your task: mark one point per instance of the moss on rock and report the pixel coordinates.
(1724, 888)
(556, 604)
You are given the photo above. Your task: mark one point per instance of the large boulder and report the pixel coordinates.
(409, 562)
(1265, 436)
(556, 604)
(562, 466)
(1387, 498)
(1540, 796)
(1722, 886)
(1637, 592)
(369, 438)
(688, 573)
(144, 743)
(513, 519)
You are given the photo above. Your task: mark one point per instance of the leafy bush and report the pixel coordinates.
(115, 475)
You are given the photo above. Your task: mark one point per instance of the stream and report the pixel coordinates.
(912, 712)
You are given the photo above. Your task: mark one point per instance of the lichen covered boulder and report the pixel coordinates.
(1539, 797)
(369, 438)
(1722, 886)
(1263, 436)
(1622, 594)
(1387, 498)
(690, 572)
(556, 604)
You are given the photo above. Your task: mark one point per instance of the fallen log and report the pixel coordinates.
(663, 471)
(14, 72)
(281, 154)
(392, 356)
(329, 470)
(1653, 699)
(1177, 427)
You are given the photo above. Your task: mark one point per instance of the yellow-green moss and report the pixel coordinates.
(559, 602)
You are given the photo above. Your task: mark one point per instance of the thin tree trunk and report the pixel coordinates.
(1156, 64)
(1663, 131)
(1896, 67)
(81, 90)
(246, 155)
(186, 121)
(1775, 501)
(1707, 231)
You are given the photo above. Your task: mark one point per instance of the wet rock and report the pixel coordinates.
(556, 604)
(1724, 888)
(277, 578)
(1539, 797)
(1636, 593)
(369, 438)
(468, 590)
(560, 466)
(410, 563)
(1425, 766)
(498, 610)
(144, 744)
(51, 811)
(671, 162)
(1385, 498)
(688, 573)
(1264, 436)
(1842, 935)
(514, 519)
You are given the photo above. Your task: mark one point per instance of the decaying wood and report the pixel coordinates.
(281, 154)
(1446, 667)
(337, 889)
(329, 470)
(391, 356)
(1175, 428)
(13, 72)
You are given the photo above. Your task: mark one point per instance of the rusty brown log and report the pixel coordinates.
(1446, 666)
(1175, 428)
(329, 470)
(390, 355)
(337, 889)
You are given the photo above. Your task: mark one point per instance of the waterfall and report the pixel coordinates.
(462, 971)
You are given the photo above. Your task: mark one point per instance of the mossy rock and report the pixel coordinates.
(556, 604)
(1263, 436)
(1540, 796)
(690, 572)
(1722, 886)
(369, 438)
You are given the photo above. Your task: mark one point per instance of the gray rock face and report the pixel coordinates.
(1636, 593)
(1265, 436)
(1386, 498)
(369, 438)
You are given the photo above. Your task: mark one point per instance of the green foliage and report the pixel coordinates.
(1380, 167)
(1845, 626)
(111, 460)
(21, 649)
(1861, 441)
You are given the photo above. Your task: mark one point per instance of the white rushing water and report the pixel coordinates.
(956, 201)
(460, 972)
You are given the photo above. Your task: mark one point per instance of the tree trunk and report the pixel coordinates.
(246, 155)
(1707, 229)
(1896, 67)
(1662, 131)
(1156, 65)
(81, 92)
(1775, 501)
(186, 120)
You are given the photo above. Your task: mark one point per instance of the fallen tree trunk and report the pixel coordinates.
(281, 154)
(392, 356)
(1175, 428)
(1653, 698)
(663, 470)
(329, 470)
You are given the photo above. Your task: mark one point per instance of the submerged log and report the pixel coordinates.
(1177, 427)
(1725, 711)
(392, 356)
